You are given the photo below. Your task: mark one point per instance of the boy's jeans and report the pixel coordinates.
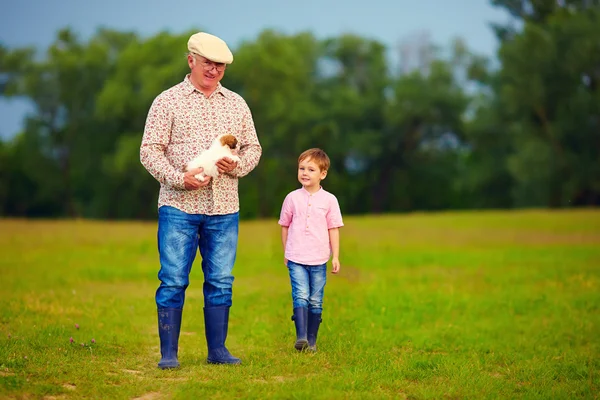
(308, 285)
(179, 236)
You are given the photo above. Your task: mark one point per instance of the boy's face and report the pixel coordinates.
(309, 174)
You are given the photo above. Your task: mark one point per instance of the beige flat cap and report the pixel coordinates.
(211, 47)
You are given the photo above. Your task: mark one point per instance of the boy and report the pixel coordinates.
(310, 218)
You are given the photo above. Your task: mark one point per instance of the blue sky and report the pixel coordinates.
(35, 23)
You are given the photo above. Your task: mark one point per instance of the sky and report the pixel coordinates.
(36, 22)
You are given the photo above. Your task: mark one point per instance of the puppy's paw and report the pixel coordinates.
(199, 177)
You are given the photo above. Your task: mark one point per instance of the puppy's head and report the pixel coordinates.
(229, 141)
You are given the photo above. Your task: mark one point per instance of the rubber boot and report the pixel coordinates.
(169, 325)
(300, 316)
(314, 320)
(216, 323)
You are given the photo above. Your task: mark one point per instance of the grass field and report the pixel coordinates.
(451, 305)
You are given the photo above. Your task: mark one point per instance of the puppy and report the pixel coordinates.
(222, 146)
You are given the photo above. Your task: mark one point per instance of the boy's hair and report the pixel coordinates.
(317, 156)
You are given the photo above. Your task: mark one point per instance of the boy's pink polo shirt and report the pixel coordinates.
(309, 218)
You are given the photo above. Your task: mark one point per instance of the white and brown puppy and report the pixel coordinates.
(222, 146)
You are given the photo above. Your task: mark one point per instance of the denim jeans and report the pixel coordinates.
(179, 236)
(308, 285)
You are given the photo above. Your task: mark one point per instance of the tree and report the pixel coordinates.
(549, 89)
(277, 76)
(62, 88)
(142, 70)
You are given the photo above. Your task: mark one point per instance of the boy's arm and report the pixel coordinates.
(284, 235)
(334, 241)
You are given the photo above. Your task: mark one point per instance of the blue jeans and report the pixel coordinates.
(179, 236)
(308, 285)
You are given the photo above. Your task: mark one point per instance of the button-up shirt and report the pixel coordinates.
(183, 122)
(309, 218)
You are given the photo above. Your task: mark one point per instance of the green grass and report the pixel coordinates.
(448, 305)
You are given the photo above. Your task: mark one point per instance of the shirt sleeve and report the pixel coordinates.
(285, 218)
(250, 148)
(157, 134)
(334, 215)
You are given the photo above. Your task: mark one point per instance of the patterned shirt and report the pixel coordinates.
(183, 122)
(309, 218)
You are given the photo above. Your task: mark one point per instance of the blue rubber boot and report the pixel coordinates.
(314, 320)
(216, 323)
(300, 318)
(169, 325)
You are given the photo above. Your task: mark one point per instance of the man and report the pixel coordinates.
(181, 123)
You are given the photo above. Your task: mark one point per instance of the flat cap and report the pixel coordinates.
(210, 47)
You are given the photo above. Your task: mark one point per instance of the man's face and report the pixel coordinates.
(204, 72)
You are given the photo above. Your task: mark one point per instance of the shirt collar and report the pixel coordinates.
(189, 88)
(311, 194)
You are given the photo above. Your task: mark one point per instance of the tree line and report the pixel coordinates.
(410, 128)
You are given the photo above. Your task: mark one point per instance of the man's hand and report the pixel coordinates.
(190, 181)
(335, 265)
(226, 165)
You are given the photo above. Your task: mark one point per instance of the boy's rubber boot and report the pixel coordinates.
(169, 325)
(216, 323)
(314, 320)
(300, 319)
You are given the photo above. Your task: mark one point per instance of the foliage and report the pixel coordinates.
(447, 133)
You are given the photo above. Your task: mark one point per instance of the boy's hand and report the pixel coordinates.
(285, 261)
(335, 265)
